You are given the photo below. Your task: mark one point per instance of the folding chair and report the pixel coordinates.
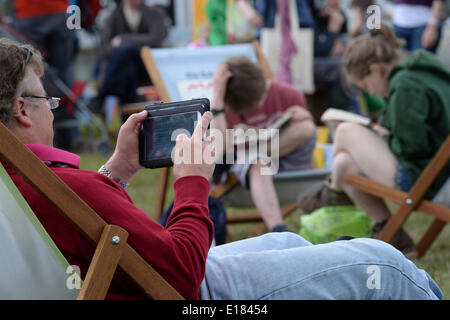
(173, 71)
(112, 250)
(413, 200)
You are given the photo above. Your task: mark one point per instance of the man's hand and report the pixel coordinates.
(250, 14)
(429, 36)
(116, 41)
(379, 130)
(125, 160)
(336, 20)
(194, 156)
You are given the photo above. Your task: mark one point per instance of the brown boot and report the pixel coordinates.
(323, 198)
(401, 241)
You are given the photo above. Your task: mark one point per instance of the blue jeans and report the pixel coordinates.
(285, 266)
(413, 37)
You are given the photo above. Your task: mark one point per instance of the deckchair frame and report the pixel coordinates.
(111, 252)
(410, 201)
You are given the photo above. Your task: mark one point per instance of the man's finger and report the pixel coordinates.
(135, 119)
(202, 126)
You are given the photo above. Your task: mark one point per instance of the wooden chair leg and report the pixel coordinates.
(395, 223)
(162, 191)
(104, 263)
(428, 238)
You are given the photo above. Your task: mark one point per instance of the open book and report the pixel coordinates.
(333, 114)
(250, 134)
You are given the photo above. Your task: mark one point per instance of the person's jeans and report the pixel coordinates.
(124, 73)
(413, 37)
(285, 266)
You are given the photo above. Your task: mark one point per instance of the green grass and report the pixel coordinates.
(143, 189)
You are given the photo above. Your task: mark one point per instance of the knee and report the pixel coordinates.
(343, 162)
(256, 169)
(345, 131)
(307, 129)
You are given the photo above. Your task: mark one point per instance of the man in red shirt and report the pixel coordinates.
(178, 252)
(241, 90)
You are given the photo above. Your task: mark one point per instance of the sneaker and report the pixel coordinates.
(401, 241)
(322, 198)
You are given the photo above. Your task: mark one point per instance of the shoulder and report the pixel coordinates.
(286, 91)
(153, 10)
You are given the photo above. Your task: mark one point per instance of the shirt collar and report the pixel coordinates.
(46, 153)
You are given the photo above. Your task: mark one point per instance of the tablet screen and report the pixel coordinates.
(162, 132)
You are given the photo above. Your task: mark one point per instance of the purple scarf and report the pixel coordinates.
(288, 48)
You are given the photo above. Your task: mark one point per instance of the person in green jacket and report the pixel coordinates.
(413, 125)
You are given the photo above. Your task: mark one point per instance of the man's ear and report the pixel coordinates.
(22, 113)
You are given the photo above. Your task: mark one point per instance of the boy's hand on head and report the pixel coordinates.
(220, 79)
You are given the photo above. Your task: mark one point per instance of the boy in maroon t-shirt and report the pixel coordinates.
(247, 98)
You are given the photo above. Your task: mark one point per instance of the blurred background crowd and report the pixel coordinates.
(93, 55)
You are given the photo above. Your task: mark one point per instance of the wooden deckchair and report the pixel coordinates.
(112, 250)
(413, 200)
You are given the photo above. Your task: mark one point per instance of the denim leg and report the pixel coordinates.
(405, 34)
(265, 268)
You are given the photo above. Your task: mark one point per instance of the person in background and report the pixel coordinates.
(414, 124)
(243, 96)
(43, 23)
(124, 32)
(419, 23)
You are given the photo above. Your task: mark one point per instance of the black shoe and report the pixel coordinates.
(401, 241)
(280, 228)
(345, 238)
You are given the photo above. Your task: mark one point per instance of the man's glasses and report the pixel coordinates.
(52, 102)
(29, 54)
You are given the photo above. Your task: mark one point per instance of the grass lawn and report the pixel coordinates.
(143, 189)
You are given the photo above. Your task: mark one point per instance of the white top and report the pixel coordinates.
(411, 16)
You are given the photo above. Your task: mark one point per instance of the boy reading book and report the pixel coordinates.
(247, 98)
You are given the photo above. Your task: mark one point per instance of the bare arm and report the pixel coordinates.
(219, 122)
(299, 130)
(430, 35)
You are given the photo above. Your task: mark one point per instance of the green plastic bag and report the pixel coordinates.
(329, 223)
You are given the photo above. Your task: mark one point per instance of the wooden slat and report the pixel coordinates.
(268, 74)
(412, 200)
(72, 207)
(381, 191)
(103, 264)
(153, 71)
(222, 189)
(431, 234)
(155, 76)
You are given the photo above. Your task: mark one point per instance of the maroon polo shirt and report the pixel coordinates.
(178, 251)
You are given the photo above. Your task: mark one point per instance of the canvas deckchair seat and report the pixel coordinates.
(31, 266)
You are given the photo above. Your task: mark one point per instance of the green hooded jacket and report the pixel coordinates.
(417, 113)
